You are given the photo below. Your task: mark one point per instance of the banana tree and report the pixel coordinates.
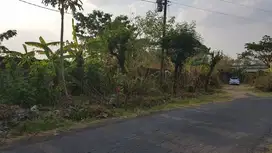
(43, 48)
(75, 51)
(5, 36)
(64, 5)
(25, 58)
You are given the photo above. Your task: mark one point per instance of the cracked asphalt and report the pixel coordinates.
(231, 127)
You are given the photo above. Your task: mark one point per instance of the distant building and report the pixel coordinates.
(251, 68)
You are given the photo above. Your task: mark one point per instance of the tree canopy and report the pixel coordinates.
(5, 36)
(92, 24)
(65, 4)
(111, 64)
(261, 51)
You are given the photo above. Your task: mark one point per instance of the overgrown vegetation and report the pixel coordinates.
(262, 53)
(111, 67)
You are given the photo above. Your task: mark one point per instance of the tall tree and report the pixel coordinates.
(64, 5)
(92, 24)
(216, 57)
(150, 27)
(182, 42)
(119, 35)
(261, 51)
(5, 36)
(104, 33)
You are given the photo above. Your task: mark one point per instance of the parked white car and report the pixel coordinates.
(234, 81)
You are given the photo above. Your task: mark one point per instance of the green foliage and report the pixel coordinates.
(259, 51)
(93, 24)
(27, 88)
(5, 36)
(118, 38)
(42, 123)
(45, 48)
(88, 67)
(216, 57)
(151, 26)
(25, 58)
(182, 42)
(264, 83)
(64, 4)
(78, 112)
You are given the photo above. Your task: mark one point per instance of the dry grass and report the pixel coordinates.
(242, 91)
(270, 149)
(45, 127)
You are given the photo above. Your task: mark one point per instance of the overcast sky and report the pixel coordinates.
(228, 33)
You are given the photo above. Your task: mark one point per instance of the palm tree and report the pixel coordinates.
(64, 5)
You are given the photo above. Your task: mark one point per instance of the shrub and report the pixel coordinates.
(215, 81)
(28, 87)
(146, 101)
(264, 83)
(78, 112)
(250, 78)
(11, 116)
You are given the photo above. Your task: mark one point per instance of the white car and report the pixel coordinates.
(234, 81)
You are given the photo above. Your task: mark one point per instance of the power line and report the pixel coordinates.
(208, 10)
(149, 1)
(247, 6)
(217, 12)
(41, 6)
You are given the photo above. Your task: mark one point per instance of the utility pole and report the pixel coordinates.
(163, 4)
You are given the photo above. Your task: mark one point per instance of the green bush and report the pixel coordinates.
(250, 78)
(40, 124)
(264, 83)
(215, 81)
(98, 81)
(28, 87)
(78, 112)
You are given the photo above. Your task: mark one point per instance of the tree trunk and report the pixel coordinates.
(61, 51)
(176, 74)
(208, 77)
(121, 62)
(78, 72)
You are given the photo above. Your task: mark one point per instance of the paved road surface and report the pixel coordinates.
(233, 127)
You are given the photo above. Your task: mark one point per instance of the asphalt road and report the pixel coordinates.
(231, 127)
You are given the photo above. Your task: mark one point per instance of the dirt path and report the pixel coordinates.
(241, 91)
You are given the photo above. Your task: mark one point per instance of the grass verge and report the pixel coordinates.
(256, 92)
(52, 126)
(269, 149)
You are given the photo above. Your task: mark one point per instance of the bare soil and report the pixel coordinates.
(238, 91)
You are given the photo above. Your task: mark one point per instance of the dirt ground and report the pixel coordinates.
(239, 91)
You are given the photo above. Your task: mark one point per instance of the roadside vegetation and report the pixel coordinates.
(110, 69)
(259, 52)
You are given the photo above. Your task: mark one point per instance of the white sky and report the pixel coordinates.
(219, 31)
